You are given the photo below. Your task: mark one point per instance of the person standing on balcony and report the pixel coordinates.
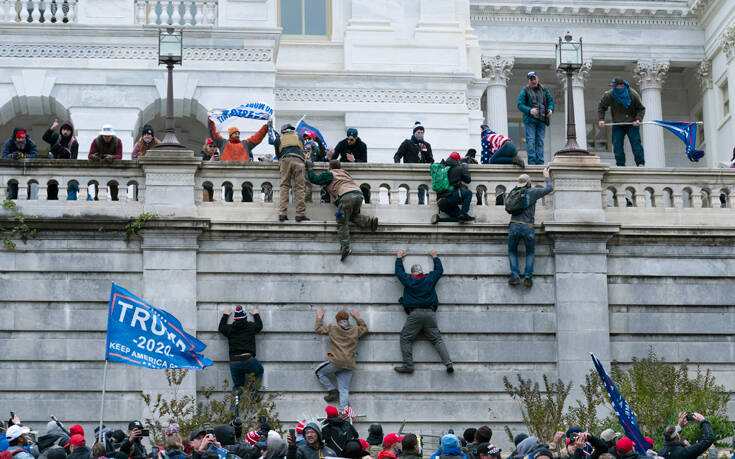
(63, 144)
(537, 105)
(147, 141)
(415, 150)
(420, 302)
(351, 149)
(19, 146)
(106, 147)
(232, 148)
(625, 107)
(348, 198)
(498, 149)
(521, 226)
(291, 158)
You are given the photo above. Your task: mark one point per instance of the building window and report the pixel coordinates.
(597, 137)
(724, 91)
(304, 17)
(517, 134)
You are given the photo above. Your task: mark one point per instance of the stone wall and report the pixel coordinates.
(609, 279)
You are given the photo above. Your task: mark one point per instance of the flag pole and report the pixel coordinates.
(102, 403)
(644, 122)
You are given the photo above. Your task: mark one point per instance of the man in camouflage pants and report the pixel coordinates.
(347, 196)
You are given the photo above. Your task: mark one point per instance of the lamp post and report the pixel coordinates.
(170, 52)
(569, 59)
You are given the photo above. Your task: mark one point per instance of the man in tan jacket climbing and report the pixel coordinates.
(343, 337)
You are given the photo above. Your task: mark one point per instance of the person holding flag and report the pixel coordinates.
(232, 149)
(627, 111)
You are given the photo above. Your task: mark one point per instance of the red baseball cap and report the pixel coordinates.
(76, 429)
(390, 439)
(624, 445)
(455, 156)
(76, 440)
(650, 441)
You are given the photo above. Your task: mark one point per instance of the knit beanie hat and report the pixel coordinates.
(300, 427)
(352, 132)
(416, 126)
(331, 411)
(239, 313)
(252, 437)
(231, 130)
(147, 129)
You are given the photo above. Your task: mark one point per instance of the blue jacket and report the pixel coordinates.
(524, 103)
(419, 292)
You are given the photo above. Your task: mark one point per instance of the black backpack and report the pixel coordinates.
(517, 200)
(339, 435)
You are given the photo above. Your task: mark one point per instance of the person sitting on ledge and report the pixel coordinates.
(19, 146)
(232, 148)
(455, 201)
(63, 144)
(147, 141)
(106, 147)
(498, 149)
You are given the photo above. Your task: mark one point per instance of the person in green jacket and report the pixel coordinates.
(537, 105)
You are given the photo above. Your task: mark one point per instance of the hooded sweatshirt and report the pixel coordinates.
(527, 445)
(241, 334)
(62, 147)
(450, 448)
(343, 343)
(319, 451)
(29, 150)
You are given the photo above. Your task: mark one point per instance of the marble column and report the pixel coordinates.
(651, 74)
(580, 120)
(709, 113)
(497, 70)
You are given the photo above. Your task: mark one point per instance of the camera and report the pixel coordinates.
(208, 429)
(573, 437)
(145, 433)
(237, 425)
(689, 417)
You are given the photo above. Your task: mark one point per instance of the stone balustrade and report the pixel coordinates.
(189, 13)
(46, 12)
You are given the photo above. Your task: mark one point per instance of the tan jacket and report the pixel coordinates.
(343, 343)
(341, 183)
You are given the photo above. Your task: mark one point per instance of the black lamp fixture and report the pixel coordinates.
(569, 59)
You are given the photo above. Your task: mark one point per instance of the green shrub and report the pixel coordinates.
(542, 412)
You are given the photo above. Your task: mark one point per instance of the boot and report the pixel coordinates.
(332, 396)
(518, 161)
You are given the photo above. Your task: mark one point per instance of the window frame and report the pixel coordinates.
(725, 99)
(303, 37)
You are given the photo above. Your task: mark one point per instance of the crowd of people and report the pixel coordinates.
(335, 436)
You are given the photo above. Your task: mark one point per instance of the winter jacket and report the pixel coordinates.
(675, 450)
(343, 343)
(289, 145)
(458, 173)
(240, 334)
(525, 104)
(450, 448)
(337, 432)
(225, 435)
(134, 449)
(632, 454)
(141, 148)
(82, 452)
(358, 150)
(337, 181)
(309, 452)
(529, 213)
(374, 450)
(29, 150)
(635, 112)
(277, 449)
(62, 147)
(103, 149)
(413, 151)
(237, 151)
(20, 453)
(419, 292)
(385, 454)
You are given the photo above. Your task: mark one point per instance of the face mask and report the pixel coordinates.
(419, 136)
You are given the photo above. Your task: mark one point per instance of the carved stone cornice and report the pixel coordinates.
(497, 69)
(728, 42)
(704, 74)
(699, 7)
(651, 74)
(54, 50)
(375, 96)
(579, 77)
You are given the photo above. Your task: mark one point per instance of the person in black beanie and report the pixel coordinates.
(375, 439)
(241, 340)
(415, 150)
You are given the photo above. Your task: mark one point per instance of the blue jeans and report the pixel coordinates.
(422, 197)
(535, 135)
(455, 204)
(634, 137)
(505, 154)
(240, 372)
(515, 234)
(343, 377)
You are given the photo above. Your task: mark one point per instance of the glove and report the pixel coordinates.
(108, 159)
(95, 157)
(15, 155)
(309, 164)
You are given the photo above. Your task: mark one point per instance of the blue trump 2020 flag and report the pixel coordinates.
(141, 334)
(687, 132)
(304, 128)
(622, 409)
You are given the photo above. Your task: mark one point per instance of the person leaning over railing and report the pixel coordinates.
(350, 149)
(147, 141)
(106, 147)
(19, 146)
(63, 144)
(209, 152)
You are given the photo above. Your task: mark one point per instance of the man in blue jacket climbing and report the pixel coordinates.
(420, 302)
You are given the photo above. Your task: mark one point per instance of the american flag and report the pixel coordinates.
(347, 413)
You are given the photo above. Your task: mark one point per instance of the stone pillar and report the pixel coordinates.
(169, 182)
(497, 70)
(709, 113)
(651, 75)
(580, 120)
(474, 110)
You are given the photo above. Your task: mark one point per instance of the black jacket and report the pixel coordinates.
(240, 334)
(419, 292)
(308, 452)
(134, 449)
(337, 432)
(62, 148)
(359, 150)
(675, 450)
(80, 452)
(411, 153)
(458, 173)
(600, 448)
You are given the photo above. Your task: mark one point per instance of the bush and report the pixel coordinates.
(542, 412)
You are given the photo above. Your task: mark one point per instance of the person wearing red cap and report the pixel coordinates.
(78, 447)
(337, 432)
(391, 446)
(19, 146)
(241, 340)
(455, 201)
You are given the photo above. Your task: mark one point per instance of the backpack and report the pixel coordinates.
(440, 178)
(517, 200)
(339, 435)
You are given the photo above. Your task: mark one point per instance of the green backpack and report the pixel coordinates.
(517, 200)
(440, 178)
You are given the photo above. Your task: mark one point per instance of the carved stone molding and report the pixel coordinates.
(50, 50)
(473, 103)
(704, 74)
(728, 42)
(579, 77)
(651, 74)
(379, 96)
(497, 69)
(699, 7)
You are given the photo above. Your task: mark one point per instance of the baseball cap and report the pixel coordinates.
(609, 435)
(616, 81)
(390, 439)
(135, 425)
(624, 445)
(16, 431)
(488, 448)
(531, 74)
(76, 440)
(195, 433)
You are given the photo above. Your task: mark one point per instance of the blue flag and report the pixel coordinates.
(302, 128)
(141, 334)
(251, 110)
(622, 409)
(687, 132)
